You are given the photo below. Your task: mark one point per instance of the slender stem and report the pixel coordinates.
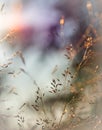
(65, 105)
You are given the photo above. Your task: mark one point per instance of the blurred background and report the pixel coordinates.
(34, 35)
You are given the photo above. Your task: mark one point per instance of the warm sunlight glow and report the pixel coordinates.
(62, 20)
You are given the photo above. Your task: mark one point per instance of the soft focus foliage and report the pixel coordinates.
(50, 65)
